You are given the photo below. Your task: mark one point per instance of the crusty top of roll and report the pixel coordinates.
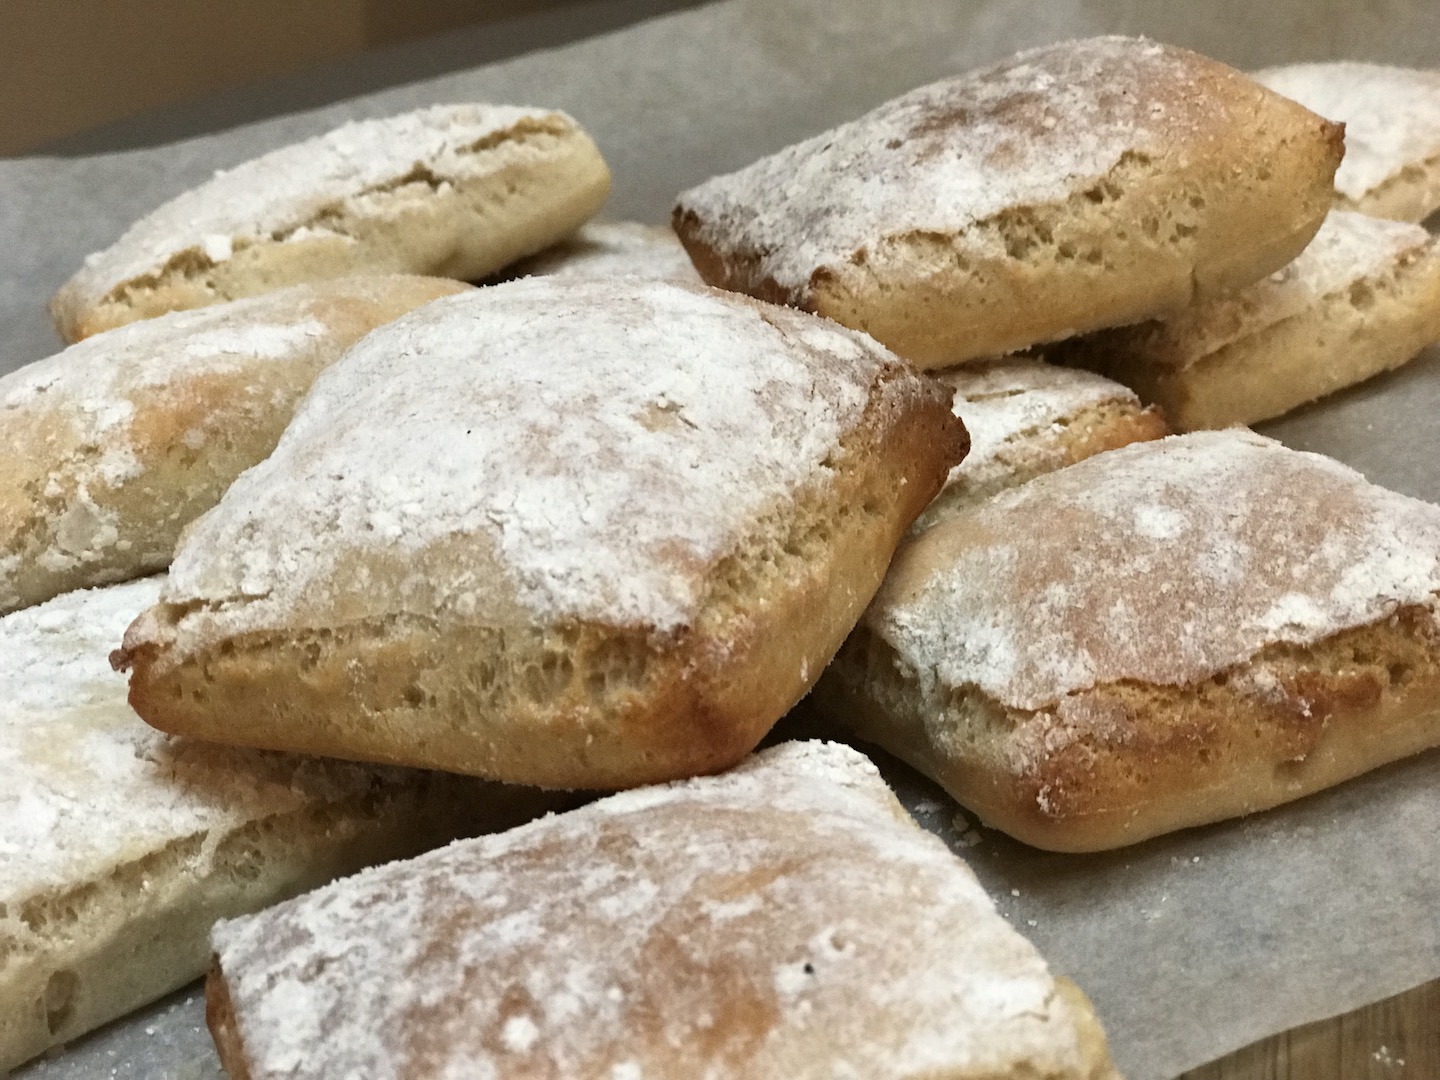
(1391, 116)
(1349, 248)
(83, 782)
(288, 192)
(1034, 129)
(1163, 562)
(584, 450)
(784, 914)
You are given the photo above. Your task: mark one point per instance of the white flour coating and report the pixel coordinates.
(587, 945)
(1391, 116)
(85, 785)
(278, 195)
(1350, 248)
(597, 445)
(1032, 130)
(1163, 562)
(614, 249)
(1006, 402)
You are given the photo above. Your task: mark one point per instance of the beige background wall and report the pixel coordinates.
(68, 65)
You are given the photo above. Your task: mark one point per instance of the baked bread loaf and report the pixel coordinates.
(1392, 132)
(1247, 624)
(1025, 418)
(613, 249)
(452, 191)
(606, 534)
(669, 932)
(1364, 297)
(120, 847)
(108, 449)
(1081, 185)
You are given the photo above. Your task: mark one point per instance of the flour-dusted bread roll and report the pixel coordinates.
(452, 191)
(1026, 417)
(784, 921)
(110, 448)
(1164, 635)
(1392, 132)
(1081, 185)
(1364, 297)
(568, 533)
(613, 249)
(119, 847)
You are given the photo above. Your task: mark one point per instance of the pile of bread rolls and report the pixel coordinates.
(892, 424)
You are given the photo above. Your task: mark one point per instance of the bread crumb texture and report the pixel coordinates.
(669, 931)
(1392, 131)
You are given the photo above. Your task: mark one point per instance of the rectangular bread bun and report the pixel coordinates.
(1076, 186)
(455, 191)
(578, 533)
(119, 847)
(1392, 132)
(111, 447)
(1026, 418)
(1363, 298)
(1164, 635)
(784, 920)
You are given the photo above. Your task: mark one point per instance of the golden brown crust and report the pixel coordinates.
(220, 1019)
(1126, 762)
(1229, 187)
(582, 705)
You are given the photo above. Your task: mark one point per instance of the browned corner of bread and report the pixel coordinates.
(220, 1019)
(740, 272)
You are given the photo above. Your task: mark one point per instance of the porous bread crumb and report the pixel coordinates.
(588, 945)
(1221, 529)
(1392, 126)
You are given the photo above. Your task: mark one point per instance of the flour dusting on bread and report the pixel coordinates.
(1238, 541)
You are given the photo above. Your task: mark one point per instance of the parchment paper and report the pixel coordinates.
(1192, 945)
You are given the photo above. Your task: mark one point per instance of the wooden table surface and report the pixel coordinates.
(1394, 1039)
